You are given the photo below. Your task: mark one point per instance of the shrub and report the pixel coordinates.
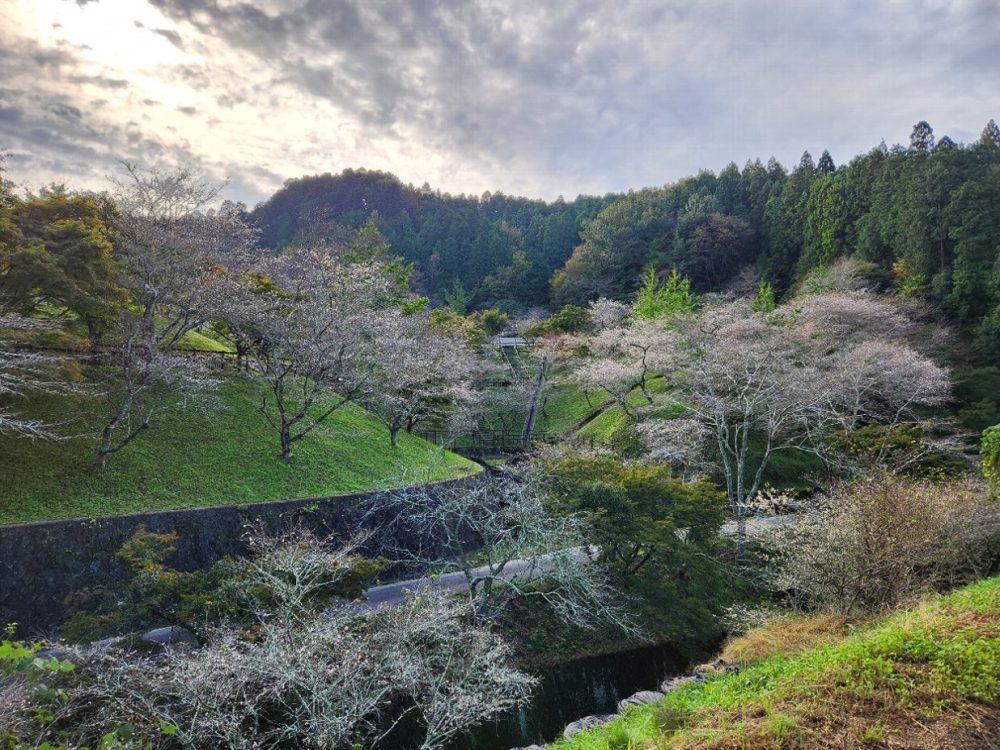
(569, 319)
(870, 545)
(991, 457)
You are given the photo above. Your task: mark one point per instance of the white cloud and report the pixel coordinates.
(525, 97)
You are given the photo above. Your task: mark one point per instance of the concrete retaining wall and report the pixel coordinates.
(42, 563)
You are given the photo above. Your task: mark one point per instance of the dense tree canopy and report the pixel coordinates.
(501, 250)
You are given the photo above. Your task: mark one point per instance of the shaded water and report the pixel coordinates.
(572, 690)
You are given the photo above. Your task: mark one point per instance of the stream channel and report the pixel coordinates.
(571, 690)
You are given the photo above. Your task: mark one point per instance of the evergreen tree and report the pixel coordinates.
(946, 144)
(990, 137)
(826, 165)
(922, 137)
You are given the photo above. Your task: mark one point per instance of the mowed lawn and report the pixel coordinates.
(214, 453)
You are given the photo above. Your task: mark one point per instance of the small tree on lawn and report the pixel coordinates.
(179, 269)
(419, 375)
(310, 335)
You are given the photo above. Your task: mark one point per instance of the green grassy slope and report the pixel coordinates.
(563, 407)
(192, 456)
(611, 421)
(928, 677)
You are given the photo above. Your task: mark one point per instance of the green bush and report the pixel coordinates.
(991, 457)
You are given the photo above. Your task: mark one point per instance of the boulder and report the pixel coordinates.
(671, 684)
(172, 635)
(639, 699)
(587, 722)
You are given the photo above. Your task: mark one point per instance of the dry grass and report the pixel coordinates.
(788, 636)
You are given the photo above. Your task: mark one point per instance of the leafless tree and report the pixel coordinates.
(180, 266)
(339, 678)
(500, 536)
(312, 335)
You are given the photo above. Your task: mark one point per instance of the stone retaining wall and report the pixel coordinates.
(42, 563)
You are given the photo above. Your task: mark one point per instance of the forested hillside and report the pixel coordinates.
(490, 251)
(924, 216)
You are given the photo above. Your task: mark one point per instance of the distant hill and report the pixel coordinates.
(922, 217)
(501, 250)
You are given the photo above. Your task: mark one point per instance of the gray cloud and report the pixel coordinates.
(541, 98)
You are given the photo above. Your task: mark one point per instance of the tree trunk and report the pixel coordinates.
(102, 452)
(529, 422)
(109, 431)
(394, 436)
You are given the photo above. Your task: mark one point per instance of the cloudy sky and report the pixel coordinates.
(530, 97)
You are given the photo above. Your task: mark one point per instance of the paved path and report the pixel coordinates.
(391, 594)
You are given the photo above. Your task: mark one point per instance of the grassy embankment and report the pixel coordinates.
(928, 677)
(215, 453)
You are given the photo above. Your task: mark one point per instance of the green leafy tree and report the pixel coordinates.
(763, 301)
(824, 230)
(671, 297)
(56, 252)
(457, 297)
(922, 137)
(656, 535)
(990, 137)
(568, 319)
(493, 321)
(977, 245)
(825, 164)
(637, 510)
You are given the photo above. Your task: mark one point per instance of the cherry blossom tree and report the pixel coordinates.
(507, 544)
(745, 384)
(607, 313)
(622, 360)
(23, 372)
(311, 332)
(754, 384)
(300, 676)
(419, 375)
